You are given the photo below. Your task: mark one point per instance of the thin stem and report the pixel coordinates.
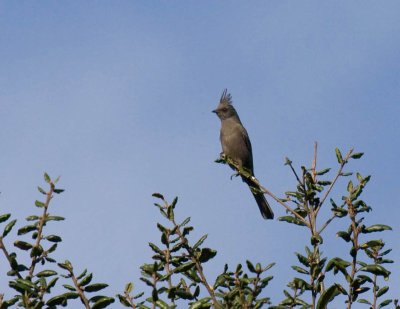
(339, 173)
(288, 208)
(375, 297)
(326, 223)
(130, 298)
(195, 260)
(167, 269)
(293, 170)
(314, 173)
(35, 259)
(3, 248)
(352, 215)
(255, 181)
(78, 289)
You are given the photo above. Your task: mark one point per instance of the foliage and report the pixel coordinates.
(176, 277)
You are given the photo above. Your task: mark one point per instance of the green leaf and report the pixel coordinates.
(207, 254)
(316, 239)
(23, 285)
(47, 178)
(327, 296)
(54, 218)
(350, 187)
(123, 300)
(53, 238)
(36, 251)
(4, 218)
(8, 227)
(57, 300)
(170, 213)
(291, 219)
(337, 264)
(376, 270)
(357, 155)
(95, 287)
(69, 287)
(324, 182)
(373, 243)
(58, 191)
(129, 287)
(41, 190)
(184, 267)
(385, 303)
(185, 221)
(364, 301)
(158, 195)
(39, 203)
(203, 303)
(250, 266)
(323, 171)
(155, 248)
(300, 270)
(347, 174)
(66, 265)
(344, 235)
(201, 240)
(51, 284)
(268, 266)
(22, 245)
(382, 291)
(46, 273)
(86, 280)
(32, 218)
(302, 259)
(339, 156)
(26, 229)
(376, 228)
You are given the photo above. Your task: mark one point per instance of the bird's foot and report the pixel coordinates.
(235, 175)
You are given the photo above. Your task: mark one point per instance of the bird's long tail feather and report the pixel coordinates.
(262, 203)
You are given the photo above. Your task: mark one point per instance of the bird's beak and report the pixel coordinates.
(214, 111)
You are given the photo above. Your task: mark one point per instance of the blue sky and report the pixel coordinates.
(116, 97)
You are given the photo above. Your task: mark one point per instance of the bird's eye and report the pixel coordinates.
(224, 109)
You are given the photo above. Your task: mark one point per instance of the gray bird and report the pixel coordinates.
(236, 145)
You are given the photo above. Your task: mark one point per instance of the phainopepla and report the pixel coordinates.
(236, 145)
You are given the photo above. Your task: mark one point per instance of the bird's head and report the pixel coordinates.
(225, 108)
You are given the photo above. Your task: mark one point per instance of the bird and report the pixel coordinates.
(236, 145)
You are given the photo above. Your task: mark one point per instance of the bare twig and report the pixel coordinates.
(326, 223)
(288, 162)
(314, 172)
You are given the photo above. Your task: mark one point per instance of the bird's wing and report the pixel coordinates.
(248, 160)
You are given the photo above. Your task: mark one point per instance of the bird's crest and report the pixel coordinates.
(226, 98)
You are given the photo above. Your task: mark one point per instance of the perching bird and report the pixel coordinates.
(236, 145)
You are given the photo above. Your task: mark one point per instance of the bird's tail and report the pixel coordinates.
(262, 203)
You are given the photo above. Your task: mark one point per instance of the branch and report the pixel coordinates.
(78, 289)
(339, 173)
(241, 171)
(35, 259)
(314, 173)
(195, 260)
(326, 223)
(3, 248)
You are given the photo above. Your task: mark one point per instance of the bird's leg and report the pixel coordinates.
(235, 175)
